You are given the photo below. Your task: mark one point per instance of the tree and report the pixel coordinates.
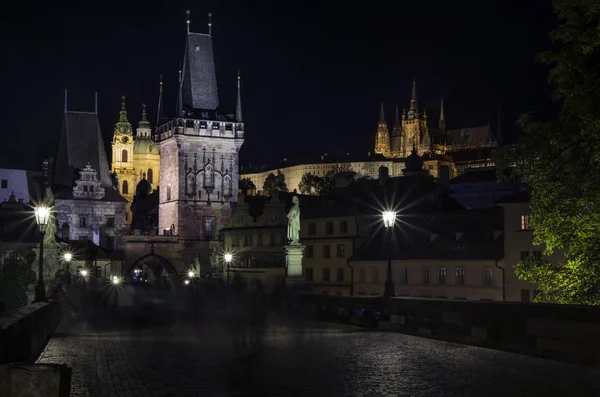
(559, 160)
(275, 183)
(246, 184)
(15, 278)
(309, 183)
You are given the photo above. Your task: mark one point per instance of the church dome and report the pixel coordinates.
(414, 162)
(143, 188)
(144, 146)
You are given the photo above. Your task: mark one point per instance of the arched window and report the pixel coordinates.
(125, 189)
(124, 156)
(150, 175)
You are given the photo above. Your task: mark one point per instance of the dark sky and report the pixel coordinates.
(313, 73)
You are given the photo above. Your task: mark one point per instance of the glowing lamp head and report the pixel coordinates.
(228, 258)
(116, 280)
(67, 256)
(42, 215)
(389, 217)
(191, 274)
(186, 282)
(84, 273)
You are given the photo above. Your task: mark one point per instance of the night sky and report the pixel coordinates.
(313, 73)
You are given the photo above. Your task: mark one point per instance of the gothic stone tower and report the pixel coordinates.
(414, 129)
(382, 138)
(198, 151)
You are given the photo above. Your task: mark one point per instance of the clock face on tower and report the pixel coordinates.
(124, 139)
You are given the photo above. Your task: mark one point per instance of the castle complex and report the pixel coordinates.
(445, 153)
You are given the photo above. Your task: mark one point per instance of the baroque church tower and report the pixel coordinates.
(198, 151)
(122, 156)
(134, 157)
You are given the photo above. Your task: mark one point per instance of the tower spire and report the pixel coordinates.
(180, 95)
(397, 118)
(382, 137)
(413, 113)
(238, 108)
(123, 112)
(210, 24)
(442, 117)
(160, 102)
(187, 21)
(123, 126)
(381, 114)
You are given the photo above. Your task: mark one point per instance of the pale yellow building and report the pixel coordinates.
(518, 243)
(330, 232)
(134, 157)
(453, 255)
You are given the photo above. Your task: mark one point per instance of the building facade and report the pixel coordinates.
(88, 205)
(134, 158)
(255, 235)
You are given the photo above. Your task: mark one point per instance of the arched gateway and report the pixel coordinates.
(159, 268)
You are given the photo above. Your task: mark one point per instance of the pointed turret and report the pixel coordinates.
(413, 113)
(442, 118)
(397, 127)
(159, 112)
(382, 138)
(238, 107)
(123, 126)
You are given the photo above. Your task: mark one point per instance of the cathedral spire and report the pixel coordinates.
(397, 119)
(382, 137)
(144, 125)
(381, 114)
(413, 113)
(180, 95)
(238, 107)
(210, 24)
(442, 118)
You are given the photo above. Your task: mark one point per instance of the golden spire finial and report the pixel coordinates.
(210, 23)
(187, 21)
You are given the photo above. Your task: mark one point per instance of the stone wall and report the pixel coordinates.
(25, 332)
(562, 332)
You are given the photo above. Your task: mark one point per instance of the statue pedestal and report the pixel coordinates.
(293, 261)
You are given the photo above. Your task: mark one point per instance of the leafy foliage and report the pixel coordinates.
(275, 183)
(314, 184)
(14, 280)
(560, 162)
(246, 184)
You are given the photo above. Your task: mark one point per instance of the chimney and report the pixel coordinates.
(384, 174)
(444, 175)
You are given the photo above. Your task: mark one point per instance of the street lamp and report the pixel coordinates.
(228, 258)
(389, 217)
(191, 274)
(84, 273)
(42, 216)
(67, 256)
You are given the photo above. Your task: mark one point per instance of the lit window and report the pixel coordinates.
(341, 253)
(442, 275)
(460, 276)
(487, 276)
(524, 222)
(208, 229)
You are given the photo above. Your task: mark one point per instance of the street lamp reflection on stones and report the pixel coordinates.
(42, 216)
(228, 258)
(389, 218)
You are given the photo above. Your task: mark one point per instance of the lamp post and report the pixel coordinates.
(42, 215)
(389, 218)
(228, 258)
(67, 256)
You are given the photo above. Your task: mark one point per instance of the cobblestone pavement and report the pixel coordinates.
(298, 359)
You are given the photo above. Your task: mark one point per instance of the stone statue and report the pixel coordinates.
(293, 230)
